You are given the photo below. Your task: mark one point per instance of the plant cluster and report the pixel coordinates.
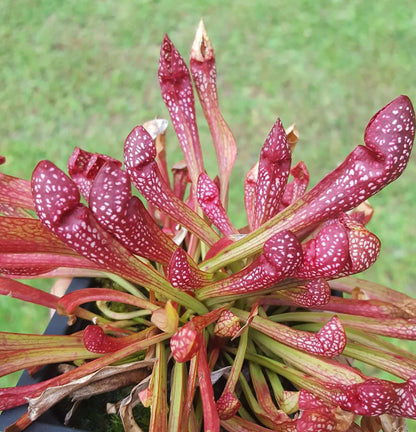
(249, 329)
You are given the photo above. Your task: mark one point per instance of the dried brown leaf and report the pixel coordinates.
(343, 419)
(292, 134)
(391, 423)
(128, 403)
(52, 395)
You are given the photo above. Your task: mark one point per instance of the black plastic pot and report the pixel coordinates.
(49, 421)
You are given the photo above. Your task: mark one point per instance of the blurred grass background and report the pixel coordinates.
(83, 73)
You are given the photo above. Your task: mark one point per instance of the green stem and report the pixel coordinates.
(159, 407)
(320, 367)
(391, 363)
(187, 408)
(249, 245)
(254, 405)
(287, 401)
(129, 287)
(204, 293)
(262, 391)
(237, 364)
(102, 306)
(295, 376)
(399, 328)
(374, 343)
(177, 396)
(161, 286)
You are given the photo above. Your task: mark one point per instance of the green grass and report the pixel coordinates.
(82, 73)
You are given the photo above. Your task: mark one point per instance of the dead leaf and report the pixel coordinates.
(52, 395)
(393, 424)
(370, 424)
(128, 403)
(343, 419)
(292, 134)
(114, 382)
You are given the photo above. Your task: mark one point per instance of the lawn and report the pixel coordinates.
(83, 73)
